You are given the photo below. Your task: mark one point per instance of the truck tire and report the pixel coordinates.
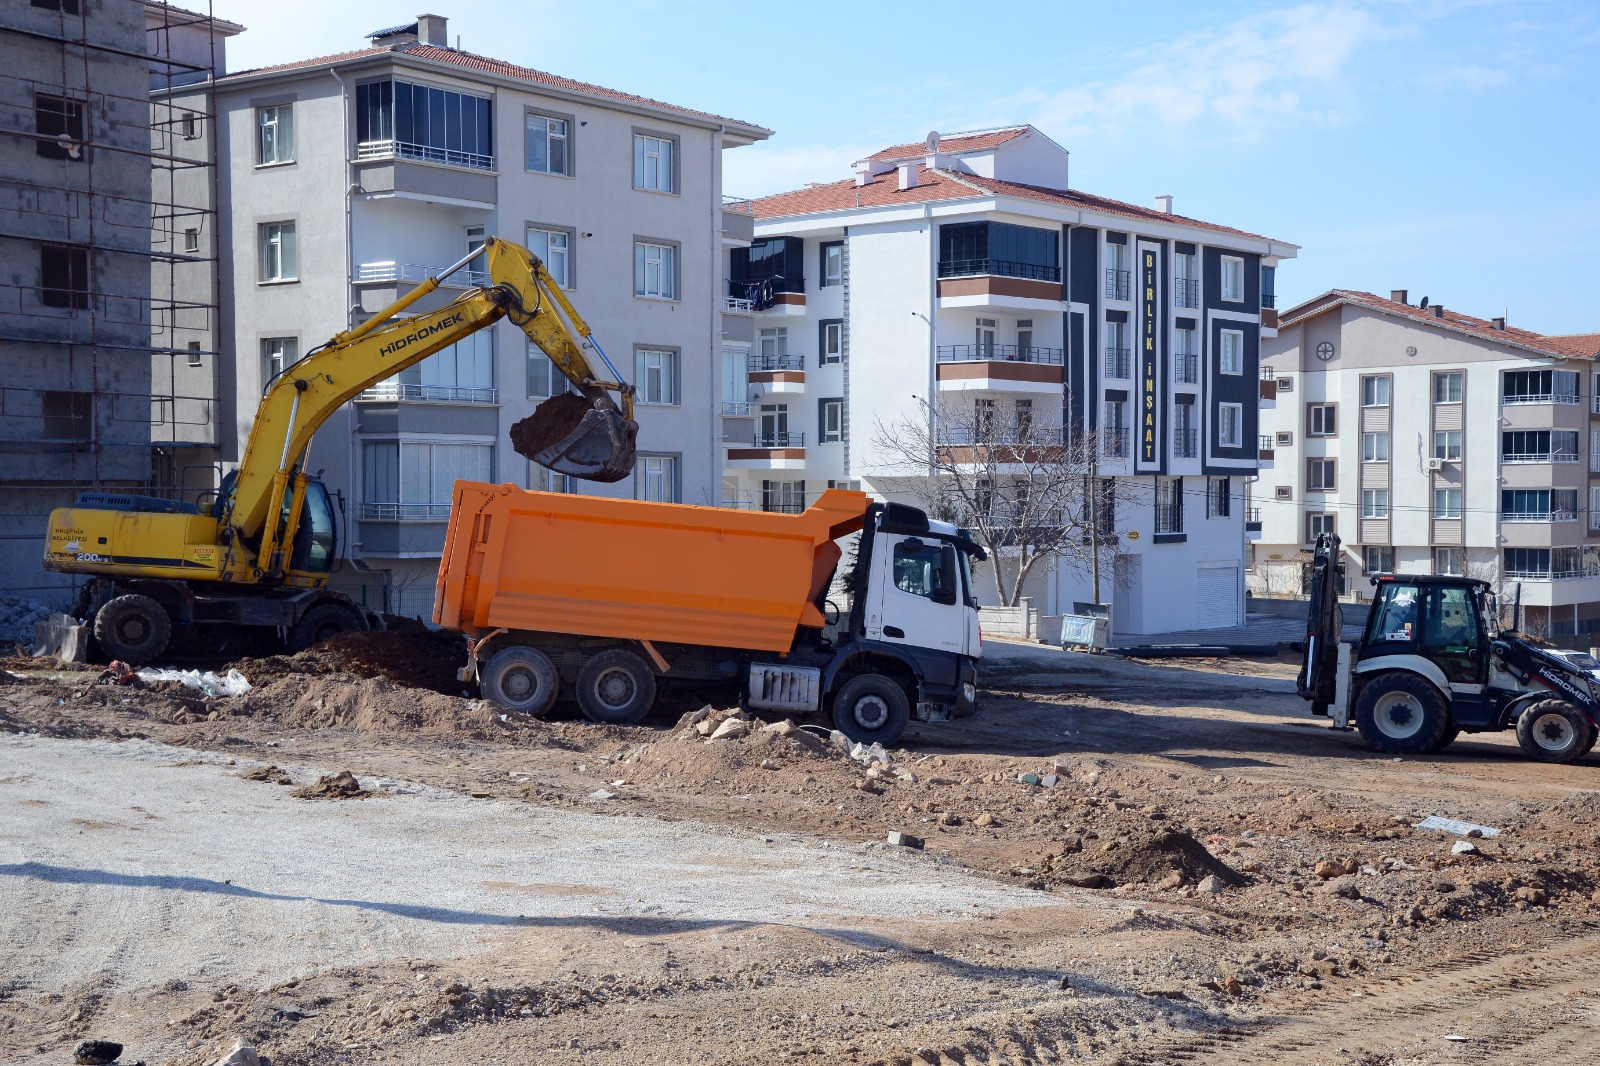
(321, 622)
(616, 687)
(871, 707)
(1447, 739)
(521, 679)
(1554, 731)
(1402, 714)
(132, 628)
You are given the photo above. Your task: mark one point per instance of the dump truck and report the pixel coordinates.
(605, 601)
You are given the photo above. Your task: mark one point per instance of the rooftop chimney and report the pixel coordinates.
(1438, 310)
(1499, 323)
(863, 174)
(431, 29)
(1164, 204)
(1399, 295)
(908, 176)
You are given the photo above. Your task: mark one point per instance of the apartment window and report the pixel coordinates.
(548, 145)
(1539, 446)
(1318, 524)
(1169, 505)
(1447, 387)
(655, 269)
(831, 254)
(1594, 508)
(188, 128)
(191, 240)
(554, 246)
(1232, 358)
(460, 373)
(1539, 386)
(1321, 475)
(1375, 392)
(1321, 419)
(1117, 275)
(274, 134)
(1024, 419)
(68, 7)
(1024, 337)
(67, 415)
(987, 333)
(1527, 562)
(1378, 559)
(773, 431)
(1541, 505)
(774, 344)
(1447, 445)
(830, 421)
(830, 347)
(1374, 503)
(1185, 280)
(785, 497)
(656, 377)
(1185, 438)
(967, 249)
(1114, 430)
(1448, 561)
(1218, 491)
(1233, 279)
(654, 159)
(1230, 430)
(280, 258)
(415, 481)
(1286, 384)
(61, 120)
(276, 354)
(1374, 447)
(655, 477)
(396, 119)
(64, 276)
(543, 377)
(194, 353)
(1447, 503)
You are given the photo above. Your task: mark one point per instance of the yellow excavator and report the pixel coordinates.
(261, 552)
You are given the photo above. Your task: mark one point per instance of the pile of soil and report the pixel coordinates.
(408, 653)
(369, 705)
(549, 424)
(1167, 856)
(272, 775)
(342, 785)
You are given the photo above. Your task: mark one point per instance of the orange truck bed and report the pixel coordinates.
(636, 570)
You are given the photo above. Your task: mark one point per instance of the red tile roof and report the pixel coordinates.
(956, 142)
(486, 65)
(1584, 345)
(1581, 346)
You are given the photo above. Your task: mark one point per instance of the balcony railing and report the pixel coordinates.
(425, 153)
(738, 305)
(737, 205)
(778, 439)
(1186, 368)
(738, 408)
(759, 363)
(1539, 516)
(1539, 457)
(1118, 283)
(978, 436)
(1269, 374)
(404, 512)
(1266, 443)
(742, 288)
(1540, 397)
(1006, 268)
(1118, 363)
(1169, 518)
(1269, 299)
(1550, 575)
(1114, 443)
(1185, 443)
(998, 353)
(1186, 292)
(1253, 514)
(397, 390)
(389, 270)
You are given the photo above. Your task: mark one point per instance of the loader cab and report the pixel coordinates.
(1440, 619)
(316, 541)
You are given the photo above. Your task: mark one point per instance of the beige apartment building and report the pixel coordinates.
(1431, 442)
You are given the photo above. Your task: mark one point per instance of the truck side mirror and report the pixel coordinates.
(945, 591)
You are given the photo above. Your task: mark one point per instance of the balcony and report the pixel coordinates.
(391, 271)
(1539, 516)
(403, 512)
(1007, 353)
(1186, 368)
(1004, 268)
(422, 153)
(1518, 458)
(738, 221)
(396, 390)
(1265, 447)
(738, 408)
(1185, 443)
(1516, 399)
(1119, 363)
(1550, 575)
(1269, 299)
(765, 449)
(779, 295)
(999, 284)
(1118, 283)
(761, 364)
(1186, 292)
(1169, 518)
(999, 368)
(734, 305)
(1021, 436)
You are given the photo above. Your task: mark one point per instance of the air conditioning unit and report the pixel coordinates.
(1433, 463)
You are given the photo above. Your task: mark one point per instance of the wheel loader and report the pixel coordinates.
(261, 552)
(1432, 662)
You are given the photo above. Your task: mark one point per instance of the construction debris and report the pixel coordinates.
(1459, 828)
(342, 785)
(96, 1052)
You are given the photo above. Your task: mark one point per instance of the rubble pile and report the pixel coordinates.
(407, 653)
(18, 616)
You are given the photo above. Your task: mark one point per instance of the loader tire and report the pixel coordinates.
(321, 622)
(1448, 739)
(1554, 731)
(132, 628)
(616, 687)
(1402, 714)
(871, 708)
(520, 679)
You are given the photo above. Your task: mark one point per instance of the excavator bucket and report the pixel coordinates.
(571, 434)
(61, 637)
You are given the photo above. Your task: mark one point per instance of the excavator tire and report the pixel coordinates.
(616, 687)
(1554, 731)
(321, 622)
(132, 628)
(521, 679)
(1402, 714)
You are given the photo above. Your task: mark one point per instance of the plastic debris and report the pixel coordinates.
(866, 755)
(1459, 828)
(209, 682)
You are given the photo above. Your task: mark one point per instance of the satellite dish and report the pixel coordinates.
(1423, 306)
(933, 141)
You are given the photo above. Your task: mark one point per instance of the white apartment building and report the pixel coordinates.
(966, 267)
(346, 179)
(1432, 442)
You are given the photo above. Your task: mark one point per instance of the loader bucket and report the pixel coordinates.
(571, 435)
(62, 637)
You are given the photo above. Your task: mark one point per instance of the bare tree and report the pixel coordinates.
(1019, 482)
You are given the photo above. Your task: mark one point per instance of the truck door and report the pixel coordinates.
(916, 596)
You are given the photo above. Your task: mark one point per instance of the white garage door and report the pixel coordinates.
(1219, 597)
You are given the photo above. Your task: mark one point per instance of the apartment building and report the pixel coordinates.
(346, 179)
(1432, 442)
(964, 269)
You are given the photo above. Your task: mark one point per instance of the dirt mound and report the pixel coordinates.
(549, 424)
(369, 705)
(270, 774)
(1164, 856)
(342, 785)
(408, 654)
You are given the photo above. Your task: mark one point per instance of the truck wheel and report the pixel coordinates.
(321, 622)
(616, 687)
(132, 628)
(870, 708)
(1447, 739)
(1554, 731)
(521, 679)
(1401, 714)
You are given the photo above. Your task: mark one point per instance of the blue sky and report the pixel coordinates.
(1449, 147)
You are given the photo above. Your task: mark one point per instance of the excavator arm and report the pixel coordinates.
(1318, 676)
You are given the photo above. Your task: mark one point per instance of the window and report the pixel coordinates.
(1230, 431)
(655, 268)
(774, 348)
(461, 373)
(554, 246)
(1233, 279)
(194, 353)
(830, 348)
(654, 162)
(773, 432)
(785, 497)
(280, 259)
(1447, 387)
(1321, 419)
(1169, 505)
(1539, 386)
(1185, 438)
(548, 146)
(188, 128)
(1286, 384)
(67, 415)
(1447, 445)
(61, 120)
(1217, 497)
(656, 377)
(1024, 421)
(396, 119)
(924, 569)
(415, 481)
(1321, 475)
(736, 381)
(543, 377)
(1447, 503)
(276, 354)
(1527, 562)
(1232, 358)
(831, 256)
(1185, 280)
(1114, 430)
(1594, 508)
(191, 240)
(1024, 338)
(1318, 524)
(1378, 559)
(830, 423)
(1448, 561)
(655, 477)
(64, 276)
(1374, 447)
(1374, 503)
(1118, 362)
(274, 134)
(1375, 392)
(777, 262)
(66, 7)
(1282, 492)
(1538, 505)
(1117, 273)
(1539, 446)
(985, 338)
(971, 248)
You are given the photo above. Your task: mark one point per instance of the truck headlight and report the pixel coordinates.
(969, 692)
